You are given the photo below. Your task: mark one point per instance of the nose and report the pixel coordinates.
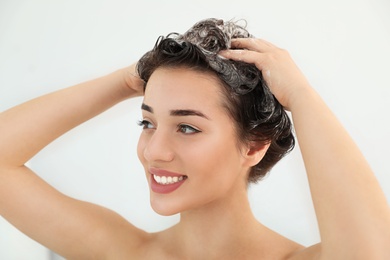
(158, 147)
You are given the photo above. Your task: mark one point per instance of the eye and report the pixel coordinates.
(186, 129)
(145, 124)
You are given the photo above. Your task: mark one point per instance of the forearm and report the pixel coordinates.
(27, 128)
(348, 200)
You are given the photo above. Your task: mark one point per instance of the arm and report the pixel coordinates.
(72, 228)
(352, 211)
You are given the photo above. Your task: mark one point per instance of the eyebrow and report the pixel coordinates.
(146, 108)
(177, 112)
(187, 112)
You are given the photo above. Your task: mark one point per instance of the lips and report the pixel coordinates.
(164, 182)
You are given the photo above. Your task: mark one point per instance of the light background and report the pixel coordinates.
(342, 47)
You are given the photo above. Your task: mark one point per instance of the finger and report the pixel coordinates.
(246, 56)
(253, 44)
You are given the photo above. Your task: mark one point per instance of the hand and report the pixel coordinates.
(133, 81)
(279, 71)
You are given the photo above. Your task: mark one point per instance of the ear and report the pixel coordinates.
(254, 153)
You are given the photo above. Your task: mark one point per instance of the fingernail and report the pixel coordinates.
(222, 57)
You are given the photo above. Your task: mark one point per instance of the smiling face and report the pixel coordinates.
(188, 146)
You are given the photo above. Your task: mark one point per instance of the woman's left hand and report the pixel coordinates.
(279, 71)
(348, 200)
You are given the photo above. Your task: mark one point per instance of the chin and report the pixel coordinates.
(164, 209)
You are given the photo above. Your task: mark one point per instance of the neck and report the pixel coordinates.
(226, 225)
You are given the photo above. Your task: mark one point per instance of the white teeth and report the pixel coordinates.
(167, 179)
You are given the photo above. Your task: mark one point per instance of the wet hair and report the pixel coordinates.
(259, 118)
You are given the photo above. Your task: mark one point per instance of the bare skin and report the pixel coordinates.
(351, 209)
(217, 222)
(352, 212)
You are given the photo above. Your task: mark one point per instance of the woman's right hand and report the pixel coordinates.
(133, 81)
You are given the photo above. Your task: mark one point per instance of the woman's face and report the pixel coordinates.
(188, 146)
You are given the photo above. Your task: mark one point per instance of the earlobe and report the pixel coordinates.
(255, 153)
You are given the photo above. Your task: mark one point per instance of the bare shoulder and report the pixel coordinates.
(74, 229)
(117, 238)
(101, 233)
(312, 253)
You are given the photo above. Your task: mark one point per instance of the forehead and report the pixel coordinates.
(183, 87)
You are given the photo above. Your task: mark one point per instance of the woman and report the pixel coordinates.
(199, 153)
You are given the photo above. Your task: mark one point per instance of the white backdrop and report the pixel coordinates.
(342, 46)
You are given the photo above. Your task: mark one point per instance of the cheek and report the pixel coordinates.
(141, 148)
(216, 171)
(216, 158)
